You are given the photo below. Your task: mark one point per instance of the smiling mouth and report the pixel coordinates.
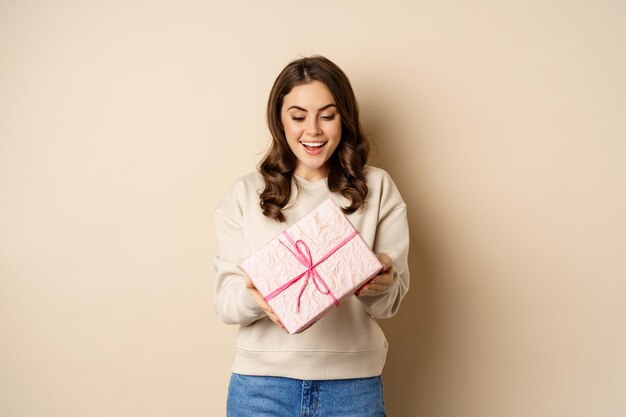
(313, 145)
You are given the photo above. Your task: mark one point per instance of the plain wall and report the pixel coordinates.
(503, 124)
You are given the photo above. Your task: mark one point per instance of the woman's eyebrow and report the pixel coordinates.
(321, 108)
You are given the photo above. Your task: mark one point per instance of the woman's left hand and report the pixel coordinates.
(381, 281)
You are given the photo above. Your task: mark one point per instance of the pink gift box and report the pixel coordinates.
(311, 267)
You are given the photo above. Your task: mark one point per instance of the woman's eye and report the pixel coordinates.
(297, 119)
(328, 117)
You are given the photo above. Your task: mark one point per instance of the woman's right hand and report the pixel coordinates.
(258, 298)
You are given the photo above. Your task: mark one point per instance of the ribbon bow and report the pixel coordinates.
(302, 253)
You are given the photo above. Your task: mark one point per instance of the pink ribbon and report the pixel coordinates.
(302, 253)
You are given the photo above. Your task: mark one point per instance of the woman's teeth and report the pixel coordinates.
(313, 144)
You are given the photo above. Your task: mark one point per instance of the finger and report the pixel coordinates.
(372, 289)
(266, 307)
(275, 319)
(384, 278)
(249, 283)
(260, 301)
(377, 287)
(367, 291)
(385, 260)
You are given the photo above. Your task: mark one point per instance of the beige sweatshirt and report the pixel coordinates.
(347, 342)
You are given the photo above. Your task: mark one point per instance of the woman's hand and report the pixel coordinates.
(381, 281)
(258, 298)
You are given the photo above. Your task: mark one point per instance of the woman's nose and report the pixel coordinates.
(313, 128)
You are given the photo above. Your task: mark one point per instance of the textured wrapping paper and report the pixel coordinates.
(309, 268)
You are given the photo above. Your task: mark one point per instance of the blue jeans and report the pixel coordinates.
(269, 396)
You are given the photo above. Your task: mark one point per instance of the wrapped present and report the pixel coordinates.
(311, 267)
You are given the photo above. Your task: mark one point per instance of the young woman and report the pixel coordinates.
(318, 151)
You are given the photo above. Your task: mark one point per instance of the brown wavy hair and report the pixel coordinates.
(346, 163)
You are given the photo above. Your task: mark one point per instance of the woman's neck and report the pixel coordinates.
(312, 174)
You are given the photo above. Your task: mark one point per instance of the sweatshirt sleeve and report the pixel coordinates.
(233, 302)
(392, 238)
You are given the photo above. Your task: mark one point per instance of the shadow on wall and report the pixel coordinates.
(410, 374)
(409, 378)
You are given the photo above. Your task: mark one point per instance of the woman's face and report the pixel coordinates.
(312, 128)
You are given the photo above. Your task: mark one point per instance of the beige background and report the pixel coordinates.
(503, 124)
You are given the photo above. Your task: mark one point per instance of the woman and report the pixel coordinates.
(318, 151)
